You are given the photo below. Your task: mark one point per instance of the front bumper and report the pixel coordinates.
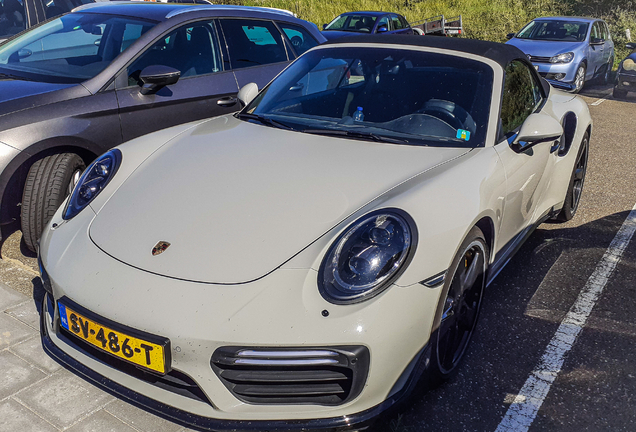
(281, 310)
(559, 75)
(626, 82)
(358, 421)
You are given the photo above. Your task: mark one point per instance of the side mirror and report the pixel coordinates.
(631, 46)
(597, 41)
(382, 28)
(247, 93)
(157, 76)
(536, 129)
(324, 26)
(510, 35)
(24, 53)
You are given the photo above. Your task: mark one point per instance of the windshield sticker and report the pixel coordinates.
(463, 134)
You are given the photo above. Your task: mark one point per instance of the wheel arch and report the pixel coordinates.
(13, 177)
(487, 226)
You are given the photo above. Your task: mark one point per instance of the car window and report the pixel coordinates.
(521, 97)
(299, 37)
(405, 23)
(72, 48)
(596, 32)
(12, 18)
(397, 24)
(607, 31)
(192, 49)
(352, 22)
(53, 8)
(253, 42)
(378, 91)
(384, 21)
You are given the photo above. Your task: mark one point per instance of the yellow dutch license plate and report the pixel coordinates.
(122, 344)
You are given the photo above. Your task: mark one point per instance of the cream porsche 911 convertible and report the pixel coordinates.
(308, 261)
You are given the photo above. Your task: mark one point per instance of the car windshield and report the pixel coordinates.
(391, 95)
(563, 31)
(69, 49)
(352, 23)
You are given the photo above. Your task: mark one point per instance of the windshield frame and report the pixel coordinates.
(488, 126)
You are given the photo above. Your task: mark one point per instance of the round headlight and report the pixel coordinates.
(367, 257)
(92, 182)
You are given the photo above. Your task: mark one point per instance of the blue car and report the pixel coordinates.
(366, 22)
(567, 51)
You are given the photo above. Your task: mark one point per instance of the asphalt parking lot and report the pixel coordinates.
(594, 389)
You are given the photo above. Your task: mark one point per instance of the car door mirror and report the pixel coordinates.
(382, 28)
(510, 35)
(597, 41)
(157, 76)
(247, 93)
(324, 26)
(631, 46)
(536, 129)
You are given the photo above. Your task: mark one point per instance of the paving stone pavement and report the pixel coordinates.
(37, 394)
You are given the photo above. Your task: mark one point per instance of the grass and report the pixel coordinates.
(483, 19)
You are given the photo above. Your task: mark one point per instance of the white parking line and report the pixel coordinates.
(526, 404)
(598, 102)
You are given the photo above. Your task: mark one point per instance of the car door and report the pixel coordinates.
(608, 51)
(206, 87)
(597, 49)
(256, 48)
(527, 172)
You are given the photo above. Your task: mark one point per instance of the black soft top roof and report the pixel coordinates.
(498, 52)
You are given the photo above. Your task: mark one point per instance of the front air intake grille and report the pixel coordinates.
(539, 59)
(174, 381)
(322, 376)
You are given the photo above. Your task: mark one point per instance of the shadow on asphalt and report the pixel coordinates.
(509, 340)
(600, 91)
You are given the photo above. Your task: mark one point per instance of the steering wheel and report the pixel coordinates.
(448, 112)
(296, 41)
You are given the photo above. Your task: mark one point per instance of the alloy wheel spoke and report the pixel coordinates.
(470, 277)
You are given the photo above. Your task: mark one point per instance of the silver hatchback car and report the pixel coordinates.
(567, 51)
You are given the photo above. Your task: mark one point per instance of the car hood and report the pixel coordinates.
(545, 48)
(236, 200)
(12, 89)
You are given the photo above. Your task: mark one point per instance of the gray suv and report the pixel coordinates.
(75, 86)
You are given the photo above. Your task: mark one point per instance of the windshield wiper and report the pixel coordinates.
(16, 77)
(264, 120)
(356, 134)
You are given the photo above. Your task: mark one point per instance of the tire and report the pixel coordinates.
(48, 183)
(619, 94)
(577, 180)
(579, 78)
(458, 308)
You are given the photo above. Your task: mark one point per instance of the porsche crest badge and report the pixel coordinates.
(160, 247)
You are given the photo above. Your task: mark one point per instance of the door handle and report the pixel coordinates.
(227, 101)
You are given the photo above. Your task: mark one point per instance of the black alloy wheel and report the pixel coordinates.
(459, 306)
(577, 180)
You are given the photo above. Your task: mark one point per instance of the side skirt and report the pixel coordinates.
(512, 247)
